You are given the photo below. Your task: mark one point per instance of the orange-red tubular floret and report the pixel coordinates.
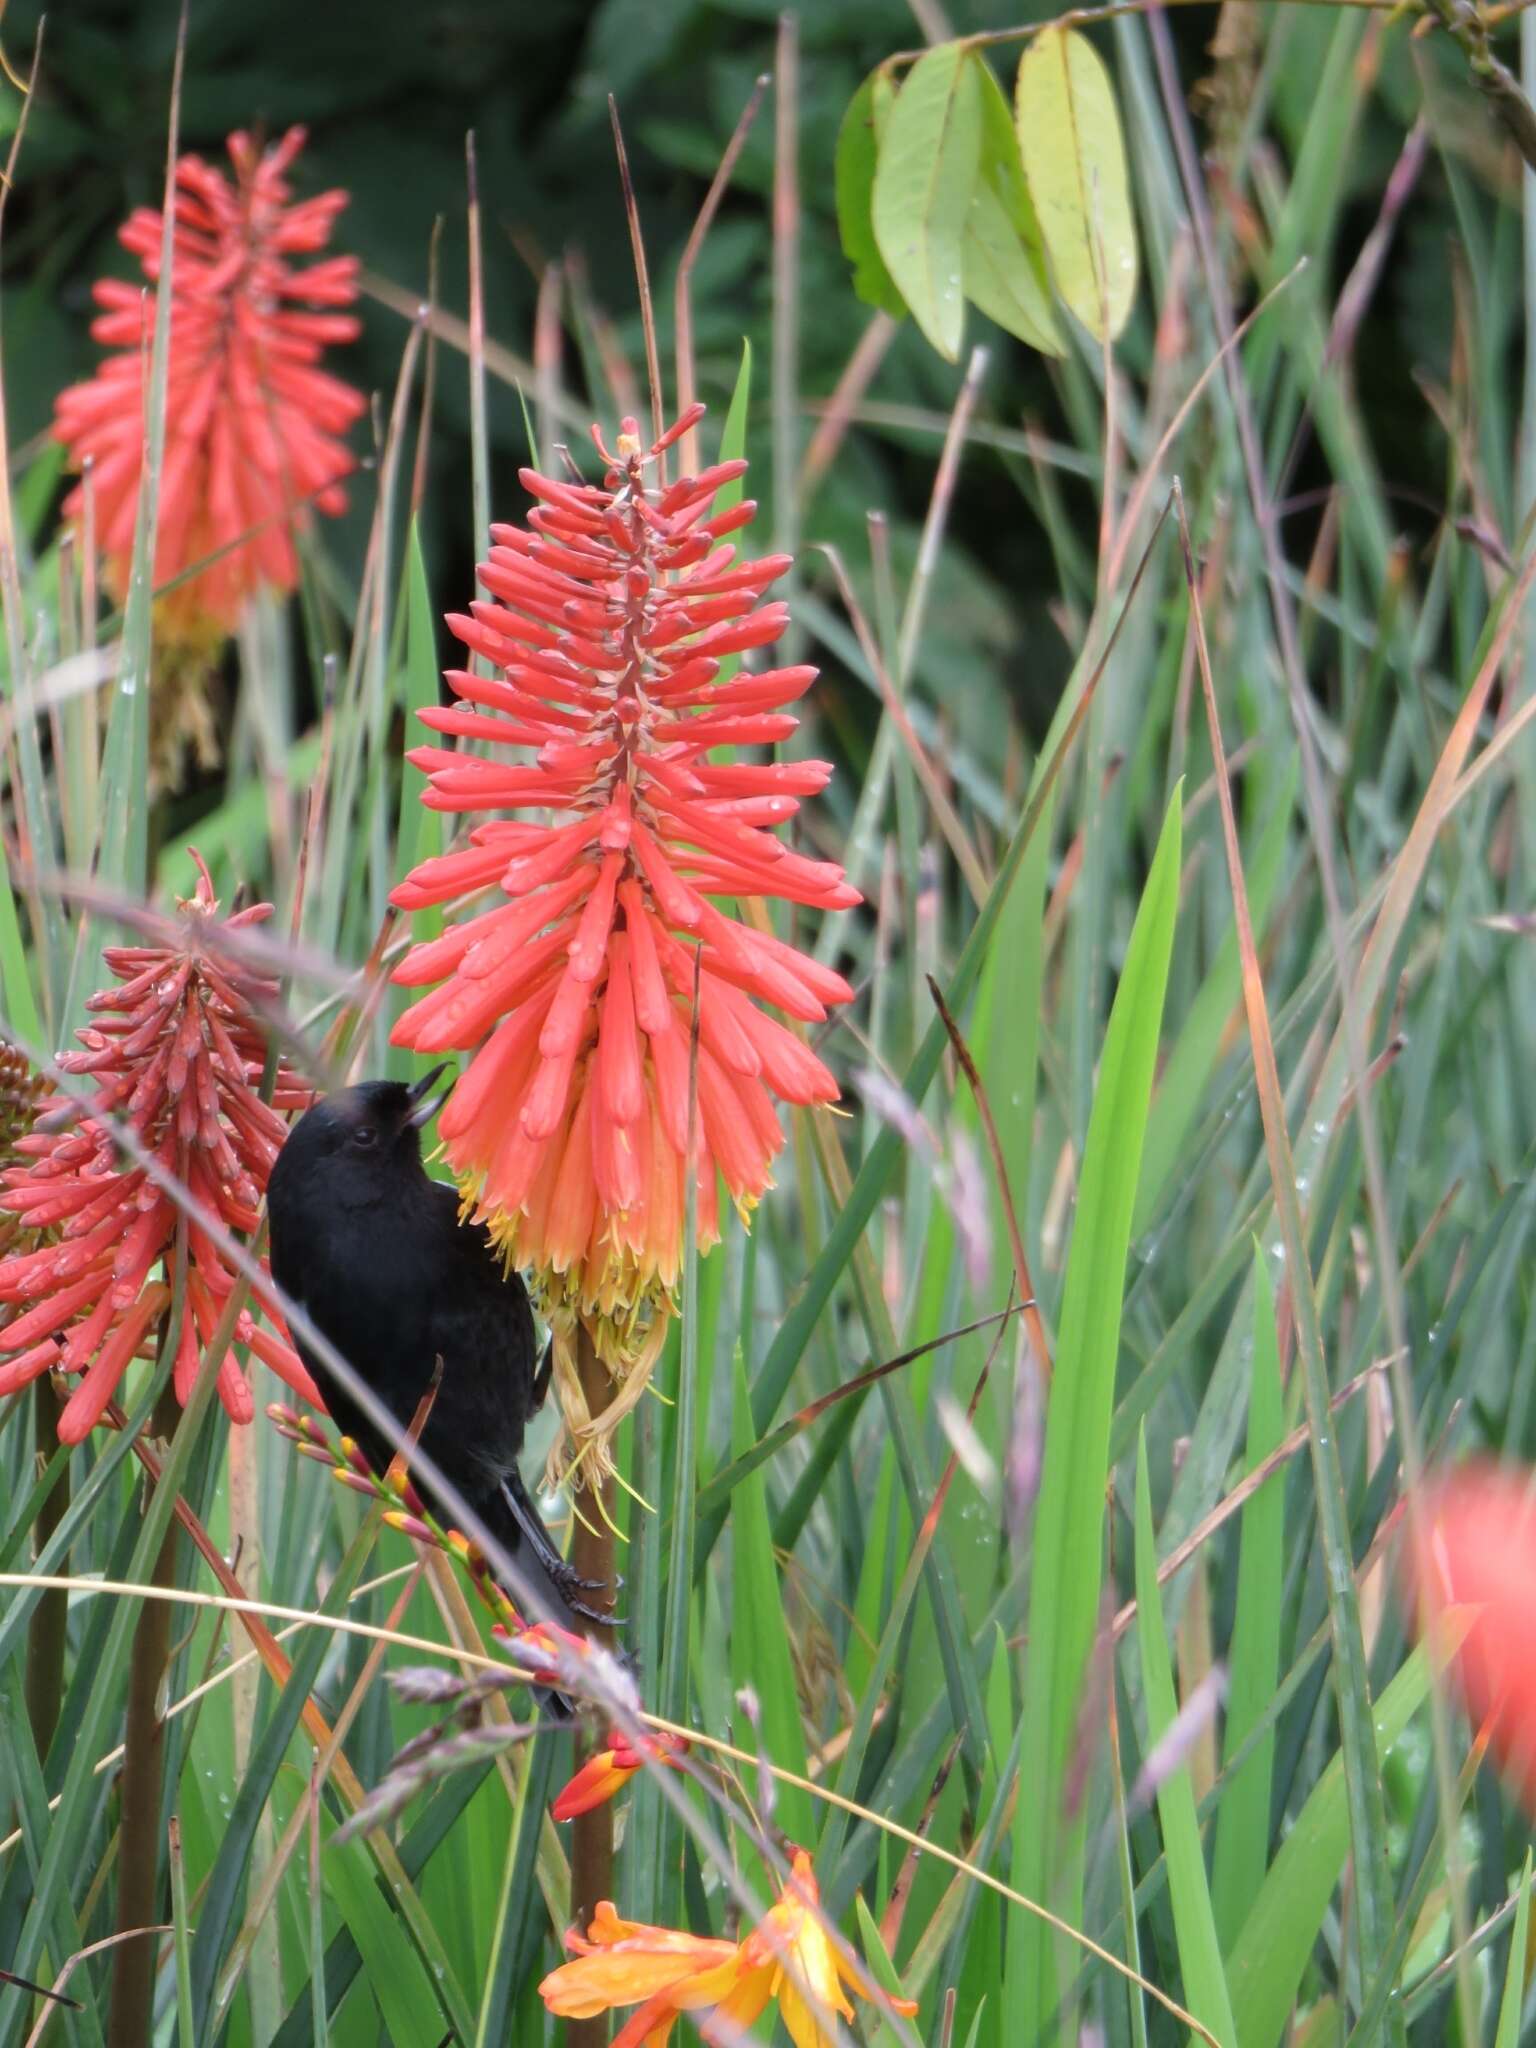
(252, 424)
(177, 1053)
(612, 617)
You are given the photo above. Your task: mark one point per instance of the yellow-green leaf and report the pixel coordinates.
(1003, 255)
(929, 155)
(858, 149)
(1074, 163)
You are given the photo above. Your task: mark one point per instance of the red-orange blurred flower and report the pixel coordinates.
(177, 1055)
(787, 1959)
(608, 1771)
(1477, 1552)
(613, 616)
(251, 422)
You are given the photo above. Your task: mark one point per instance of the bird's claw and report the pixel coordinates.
(570, 1585)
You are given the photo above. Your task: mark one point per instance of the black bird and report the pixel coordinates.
(373, 1250)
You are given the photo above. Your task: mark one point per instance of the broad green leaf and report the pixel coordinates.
(1264, 1969)
(858, 146)
(1508, 2035)
(1002, 255)
(929, 156)
(1074, 161)
(1194, 1923)
(395, 1973)
(1242, 1820)
(1067, 1568)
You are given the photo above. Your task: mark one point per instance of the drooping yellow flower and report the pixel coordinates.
(788, 1959)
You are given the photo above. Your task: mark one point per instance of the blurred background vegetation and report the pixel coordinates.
(388, 92)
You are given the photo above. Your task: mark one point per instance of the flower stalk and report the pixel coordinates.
(48, 1629)
(134, 1959)
(594, 1552)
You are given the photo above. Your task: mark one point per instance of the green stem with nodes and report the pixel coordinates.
(138, 1863)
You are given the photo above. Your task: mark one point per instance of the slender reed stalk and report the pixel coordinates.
(138, 1862)
(593, 1555)
(48, 1631)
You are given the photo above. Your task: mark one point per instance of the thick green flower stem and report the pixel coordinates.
(48, 1630)
(138, 1860)
(592, 1553)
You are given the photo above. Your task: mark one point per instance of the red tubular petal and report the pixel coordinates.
(653, 1006)
(54, 1313)
(589, 948)
(17, 1373)
(545, 1102)
(619, 1069)
(83, 1409)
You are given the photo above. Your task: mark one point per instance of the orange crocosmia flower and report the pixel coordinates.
(609, 1770)
(251, 421)
(176, 1053)
(612, 621)
(624, 1962)
(1477, 1553)
(787, 1959)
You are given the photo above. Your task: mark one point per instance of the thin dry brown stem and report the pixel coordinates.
(687, 389)
(138, 1860)
(480, 483)
(643, 285)
(428, 373)
(978, 1090)
(1243, 1492)
(945, 814)
(835, 415)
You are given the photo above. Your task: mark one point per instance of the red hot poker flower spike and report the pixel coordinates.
(251, 420)
(177, 1055)
(612, 615)
(1472, 1578)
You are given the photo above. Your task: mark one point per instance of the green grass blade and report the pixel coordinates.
(181, 1918)
(1242, 1823)
(1205, 1984)
(1068, 1565)
(16, 993)
(1510, 2005)
(1264, 1969)
(1187, 1070)
(420, 834)
(121, 857)
(759, 1638)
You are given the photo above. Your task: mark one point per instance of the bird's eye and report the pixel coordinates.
(364, 1136)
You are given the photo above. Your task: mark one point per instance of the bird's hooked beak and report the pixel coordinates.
(424, 1104)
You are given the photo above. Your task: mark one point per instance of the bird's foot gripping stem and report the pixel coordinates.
(563, 1575)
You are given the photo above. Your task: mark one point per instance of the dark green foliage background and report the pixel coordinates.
(388, 91)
